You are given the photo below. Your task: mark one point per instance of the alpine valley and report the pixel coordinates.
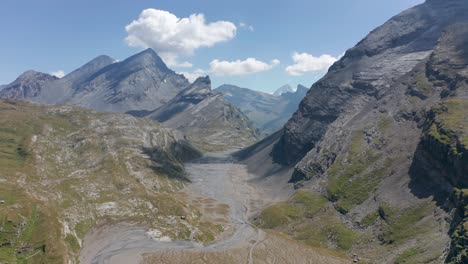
(129, 162)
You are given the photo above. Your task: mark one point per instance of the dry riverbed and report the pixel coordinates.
(221, 189)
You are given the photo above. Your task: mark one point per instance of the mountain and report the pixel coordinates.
(28, 84)
(284, 89)
(268, 112)
(378, 147)
(141, 82)
(142, 85)
(66, 170)
(206, 118)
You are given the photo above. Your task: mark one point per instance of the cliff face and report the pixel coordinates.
(383, 138)
(366, 73)
(206, 118)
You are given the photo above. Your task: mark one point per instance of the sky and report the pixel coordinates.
(258, 44)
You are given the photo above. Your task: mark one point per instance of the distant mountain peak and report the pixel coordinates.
(28, 84)
(201, 86)
(89, 68)
(283, 89)
(147, 58)
(203, 81)
(27, 75)
(140, 82)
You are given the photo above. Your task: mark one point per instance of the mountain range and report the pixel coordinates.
(268, 112)
(142, 84)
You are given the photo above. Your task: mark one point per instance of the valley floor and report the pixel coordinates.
(225, 195)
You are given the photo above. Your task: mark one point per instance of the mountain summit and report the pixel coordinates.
(141, 82)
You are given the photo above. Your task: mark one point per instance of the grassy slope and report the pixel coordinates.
(353, 179)
(65, 170)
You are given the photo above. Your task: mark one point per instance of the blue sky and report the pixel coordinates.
(55, 35)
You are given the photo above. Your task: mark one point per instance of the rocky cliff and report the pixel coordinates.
(206, 118)
(382, 138)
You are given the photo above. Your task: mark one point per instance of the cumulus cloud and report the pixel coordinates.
(172, 37)
(240, 67)
(58, 74)
(192, 76)
(305, 63)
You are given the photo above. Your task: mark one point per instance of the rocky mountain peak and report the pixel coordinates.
(87, 70)
(145, 59)
(30, 83)
(31, 75)
(201, 86)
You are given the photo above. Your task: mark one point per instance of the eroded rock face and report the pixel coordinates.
(206, 118)
(366, 73)
(385, 132)
(29, 84)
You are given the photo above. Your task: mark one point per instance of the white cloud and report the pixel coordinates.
(192, 76)
(304, 63)
(238, 67)
(58, 74)
(172, 37)
(246, 26)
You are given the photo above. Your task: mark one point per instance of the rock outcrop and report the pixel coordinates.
(206, 118)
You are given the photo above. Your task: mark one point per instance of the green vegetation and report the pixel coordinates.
(408, 256)
(326, 231)
(352, 183)
(370, 219)
(384, 124)
(423, 84)
(208, 233)
(450, 126)
(278, 215)
(404, 224)
(22, 236)
(459, 245)
(305, 218)
(303, 204)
